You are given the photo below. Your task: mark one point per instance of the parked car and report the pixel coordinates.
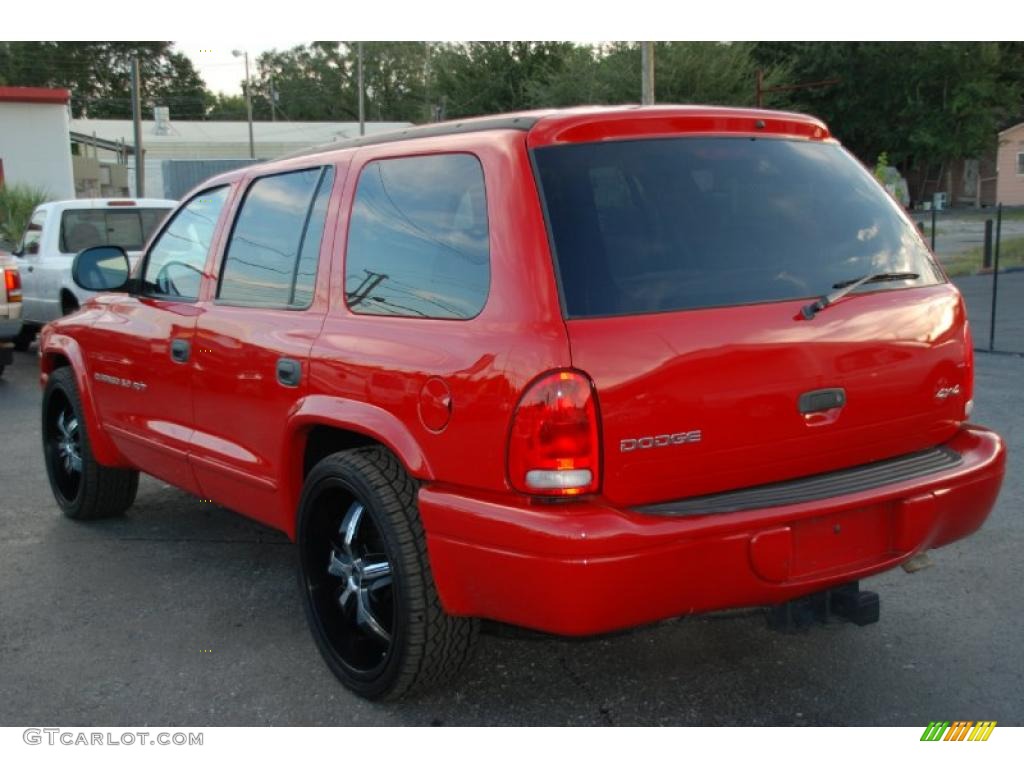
(59, 230)
(572, 370)
(10, 308)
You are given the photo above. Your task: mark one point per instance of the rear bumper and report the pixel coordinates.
(586, 568)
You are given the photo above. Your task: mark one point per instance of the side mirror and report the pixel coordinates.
(101, 268)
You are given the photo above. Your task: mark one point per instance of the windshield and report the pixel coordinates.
(658, 225)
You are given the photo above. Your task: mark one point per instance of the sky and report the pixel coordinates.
(221, 71)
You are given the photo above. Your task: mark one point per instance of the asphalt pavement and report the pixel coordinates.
(184, 614)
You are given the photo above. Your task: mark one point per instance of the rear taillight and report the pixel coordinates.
(554, 445)
(12, 284)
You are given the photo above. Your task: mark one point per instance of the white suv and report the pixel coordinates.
(57, 231)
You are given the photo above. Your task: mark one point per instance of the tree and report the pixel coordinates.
(479, 78)
(99, 75)
(922, 103)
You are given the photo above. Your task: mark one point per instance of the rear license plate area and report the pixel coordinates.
(842, 540)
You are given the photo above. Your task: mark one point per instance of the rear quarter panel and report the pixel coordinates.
(384, 362)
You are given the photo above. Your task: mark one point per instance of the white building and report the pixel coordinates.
(168, 139)
(35, 144)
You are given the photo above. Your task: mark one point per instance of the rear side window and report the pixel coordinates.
(129, 228)
(272, 257)
(659, 225)
(418, 239)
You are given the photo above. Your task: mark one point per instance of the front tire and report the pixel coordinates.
(83, 488)
(368, 591)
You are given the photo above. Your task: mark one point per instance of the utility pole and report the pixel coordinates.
(359, 67)
(140, 171)
(248, 100)
(647, 72)
(273, 101)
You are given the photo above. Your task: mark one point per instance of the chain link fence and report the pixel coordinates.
(983, 252)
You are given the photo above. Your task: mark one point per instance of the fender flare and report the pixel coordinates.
(53, 345)
(353, 416)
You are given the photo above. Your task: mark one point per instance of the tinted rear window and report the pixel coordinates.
(129, 228)
(669, 224)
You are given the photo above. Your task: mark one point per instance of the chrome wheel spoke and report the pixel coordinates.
(350, 526)
(339, 564)
(66, 442)
(353, 583)
(366, 619)
(374, 576)
(345, 595)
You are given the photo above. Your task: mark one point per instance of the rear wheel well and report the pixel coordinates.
(68, 302)
(322, 441)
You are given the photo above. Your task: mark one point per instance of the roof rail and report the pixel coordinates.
(500, 122)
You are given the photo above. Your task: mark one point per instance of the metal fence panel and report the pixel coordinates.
(179, 176)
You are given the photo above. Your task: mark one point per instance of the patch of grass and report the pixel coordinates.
(1009, 214)
(1011, 254)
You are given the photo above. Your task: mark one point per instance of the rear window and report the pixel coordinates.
(659, 225)
(129, 228)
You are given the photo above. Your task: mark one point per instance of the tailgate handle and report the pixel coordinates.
(822, 400)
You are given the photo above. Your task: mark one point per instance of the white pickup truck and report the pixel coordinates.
(59, 230)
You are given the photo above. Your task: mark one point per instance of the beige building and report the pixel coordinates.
(1010, 174)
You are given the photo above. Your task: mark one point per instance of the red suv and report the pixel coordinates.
(572, 370)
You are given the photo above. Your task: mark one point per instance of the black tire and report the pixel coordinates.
(83, 488)
(403, 642)
(24, 337)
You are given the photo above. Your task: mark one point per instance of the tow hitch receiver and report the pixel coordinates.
(847, 603)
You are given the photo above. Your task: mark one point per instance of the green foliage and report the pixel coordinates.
(98, 74)
(685, 73)
(880, 167)
(1011, 254)
(17, 201)
(418, 82)
(923, 103)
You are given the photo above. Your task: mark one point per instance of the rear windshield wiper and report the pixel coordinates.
(844, 287)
